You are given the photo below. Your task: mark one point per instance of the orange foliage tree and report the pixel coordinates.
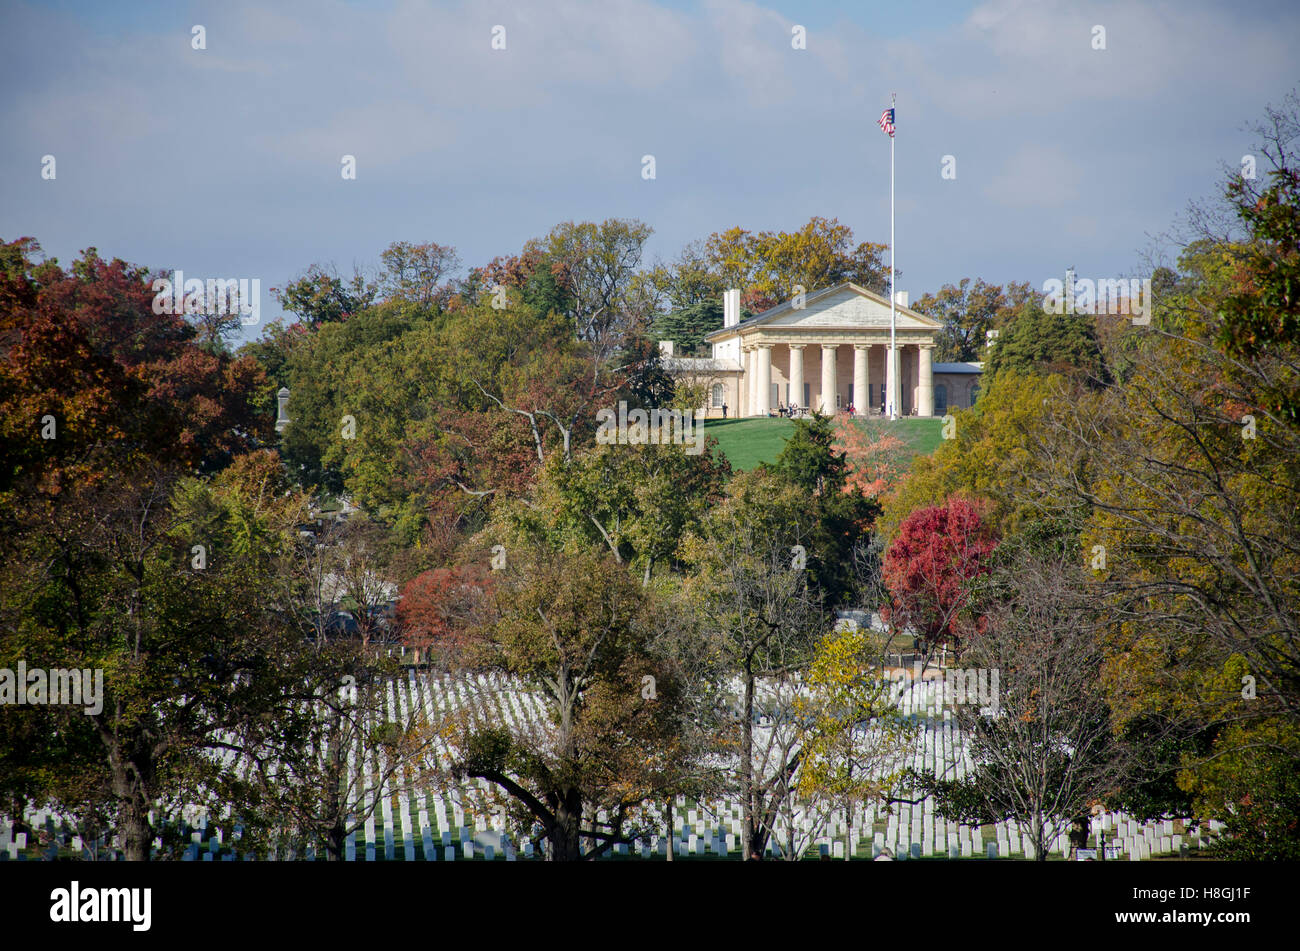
(877, 459)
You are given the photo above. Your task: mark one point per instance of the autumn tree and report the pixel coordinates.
(1044, 751)
(577, 632)
(417, 273)
(929, 569)
(852, 734)
(320, 296)
(92, 379)
(990, 456)
(315, 793)
(595, 264)
(767, 266)
(751, 592)
(324, 377)
(968, 312)
(136, 522)
(166, 560)
(877, 459)
(635, 501)
(530, 278)
(687, 282)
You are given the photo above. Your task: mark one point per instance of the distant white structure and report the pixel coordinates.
(825, 350)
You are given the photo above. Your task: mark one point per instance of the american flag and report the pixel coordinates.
(887, 121)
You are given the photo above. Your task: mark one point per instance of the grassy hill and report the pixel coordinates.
(747, 442)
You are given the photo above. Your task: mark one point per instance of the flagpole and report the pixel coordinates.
(893, 347)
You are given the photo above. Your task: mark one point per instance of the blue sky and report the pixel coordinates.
(225, 162)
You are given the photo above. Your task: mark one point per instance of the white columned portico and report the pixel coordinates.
(861, 384)
(796, 375)
(764, 379)
(924, 382)
(828, 378)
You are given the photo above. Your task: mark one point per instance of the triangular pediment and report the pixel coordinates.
(843, 307)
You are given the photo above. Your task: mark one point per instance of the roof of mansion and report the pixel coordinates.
(788, 307)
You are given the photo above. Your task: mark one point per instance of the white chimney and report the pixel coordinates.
(731, 307)
(665, 348)
(900, 298)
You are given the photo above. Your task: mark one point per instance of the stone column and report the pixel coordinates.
(924, 382)
(861, 383)
(828, 378)
(796, 374)
(893, 389)
(750, 375)
(764, 378)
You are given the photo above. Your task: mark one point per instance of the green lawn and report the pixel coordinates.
(747, 442)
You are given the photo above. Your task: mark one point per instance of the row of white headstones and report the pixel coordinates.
(468, 822)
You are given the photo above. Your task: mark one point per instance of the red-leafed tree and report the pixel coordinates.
(930, 566)
(440, 606)
(92, 381)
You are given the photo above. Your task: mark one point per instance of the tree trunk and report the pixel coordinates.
(336, 837)
(137, 836)
(128, 778)
(336, 841)
(848, 834)
(747, 762)
(566, 841)
(668, 826)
